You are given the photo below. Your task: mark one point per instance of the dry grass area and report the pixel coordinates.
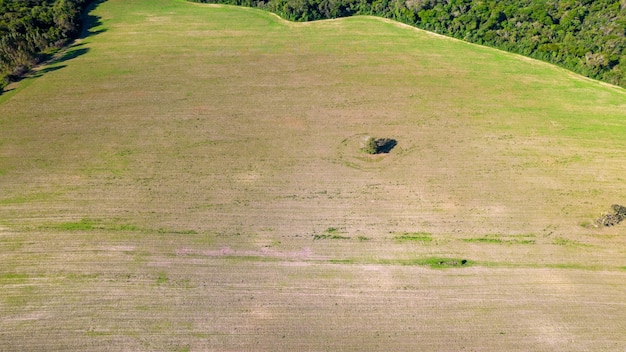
(191, 179)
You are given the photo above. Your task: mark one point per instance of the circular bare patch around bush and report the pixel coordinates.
(379, 145)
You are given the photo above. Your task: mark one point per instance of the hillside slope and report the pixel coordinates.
(487, 141)
(588, 37)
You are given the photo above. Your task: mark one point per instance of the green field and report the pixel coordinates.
(190, 178)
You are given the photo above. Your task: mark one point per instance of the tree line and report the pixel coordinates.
(30, 30)
(584, 36)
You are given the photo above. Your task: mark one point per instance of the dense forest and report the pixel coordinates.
(32, 29)
(585, 36)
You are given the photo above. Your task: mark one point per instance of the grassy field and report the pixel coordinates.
(189, 178)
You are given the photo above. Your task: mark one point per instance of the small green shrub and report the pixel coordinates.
(379, 145)
(613, 218)
(370, 146)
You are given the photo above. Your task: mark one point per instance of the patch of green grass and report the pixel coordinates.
(332, 233)
(11, 245)
(185, 284)
(177, 232)
(502, 239)
(16, 301)
(586, 224)
(13, 278)
(483, 240)
(95, 333)
(439, 262)
(25, 294)
(161, 278)
(326, 236)
(576, 266)
(559, 241)
(123, 227)
(82, 225)
(414, 236)
(87, 224)
(82, 277)
(433, 262)
(39, 196)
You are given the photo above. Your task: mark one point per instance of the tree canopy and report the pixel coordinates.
(31, 28)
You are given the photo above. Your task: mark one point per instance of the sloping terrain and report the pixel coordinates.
(190, 177)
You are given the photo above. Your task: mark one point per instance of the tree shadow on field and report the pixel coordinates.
(91, 21)
(72, 53)
(43, 71)
(386, 145)
(52, 63)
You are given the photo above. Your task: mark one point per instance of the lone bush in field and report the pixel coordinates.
(611, 219)
(370, 146)
(379, 145)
